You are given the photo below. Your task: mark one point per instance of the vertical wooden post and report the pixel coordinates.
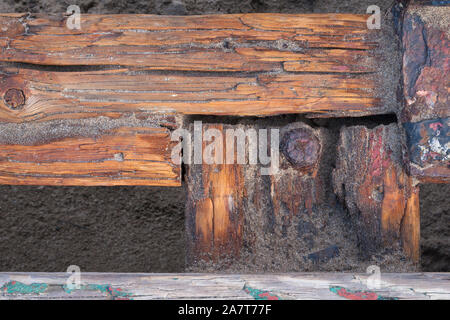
(426, 72)
(229, 206)
(370, 180)
(214, 214)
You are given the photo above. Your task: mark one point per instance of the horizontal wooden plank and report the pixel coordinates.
(52, 95)
(291, 286)
(244, 64)
(123, 152)
(244, 42)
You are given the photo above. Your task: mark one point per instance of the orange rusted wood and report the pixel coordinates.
(125, 155)
(370, 180)
(53, 95)
(201, 43)
(215, 206)
(234, 210)
(322, 64)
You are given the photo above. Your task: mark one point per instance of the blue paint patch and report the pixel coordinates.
(115, 293)
(440, 3)
(16, 287)
(260, 294)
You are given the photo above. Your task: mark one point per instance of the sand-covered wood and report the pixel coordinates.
(237, 211)
(122, 155)
(379, 195)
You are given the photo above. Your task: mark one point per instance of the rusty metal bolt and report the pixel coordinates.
(14, 98)
(301, 148)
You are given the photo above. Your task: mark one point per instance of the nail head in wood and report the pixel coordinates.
(14, 98)
(301, 148)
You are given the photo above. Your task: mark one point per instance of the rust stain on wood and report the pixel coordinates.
(214, 212)
(370, 180)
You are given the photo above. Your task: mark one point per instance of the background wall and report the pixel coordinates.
(141, 229)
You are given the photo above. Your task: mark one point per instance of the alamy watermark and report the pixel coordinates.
(73, 282)
(74, 19)
(374, 21)
(238, 146)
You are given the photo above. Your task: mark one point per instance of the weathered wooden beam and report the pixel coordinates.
(37, 95)
(428, 149)
(426, 74)
(379, 195)
(239, 42)
(246, 64)
(281, 286)
(98, 151)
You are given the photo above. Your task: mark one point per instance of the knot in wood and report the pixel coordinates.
(301, 148)
(14, 98)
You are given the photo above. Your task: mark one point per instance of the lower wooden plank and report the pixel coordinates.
(88, 152)
(290, 286)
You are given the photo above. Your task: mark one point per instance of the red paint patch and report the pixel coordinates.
(268, 296)
(435, 126)
(357, 295)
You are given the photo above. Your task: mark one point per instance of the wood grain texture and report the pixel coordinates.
(242, 42)
(370, 180)
(295, 188)
(245, 64)
(281, 286)
(237, 214)
(61, 95)
(426, 74)
(80, 153)
(426, 63)
(215, 205)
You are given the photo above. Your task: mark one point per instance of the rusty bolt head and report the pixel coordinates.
(14, 98)
(301, 148)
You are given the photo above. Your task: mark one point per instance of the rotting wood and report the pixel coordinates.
(297, 186)
(426, 112)
(215, 206)
(100, 152)
(230, 206)
(287, 286)
(428, 146)
(380, 196)
(245, 64)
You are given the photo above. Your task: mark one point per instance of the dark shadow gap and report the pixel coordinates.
(434, 227)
